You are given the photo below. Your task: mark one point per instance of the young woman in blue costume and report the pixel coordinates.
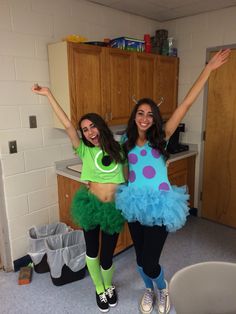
(93, 207)
(150, 204)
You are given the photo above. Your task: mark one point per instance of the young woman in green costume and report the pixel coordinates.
(93, 207)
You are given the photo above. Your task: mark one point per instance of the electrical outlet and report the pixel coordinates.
(12, 147)
(32, 122)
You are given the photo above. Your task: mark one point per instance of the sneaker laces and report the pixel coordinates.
(148, 297)
(163, 298)
(109, 291)
(102, 297)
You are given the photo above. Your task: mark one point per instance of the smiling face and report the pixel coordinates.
(144, 118)
(90, 132)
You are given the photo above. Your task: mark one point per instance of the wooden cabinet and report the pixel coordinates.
(86, 78)
(77, 79)
(182, 172)
(145, 77)
(156, 77)
(119, 84)
(167, 73)
(66, 190)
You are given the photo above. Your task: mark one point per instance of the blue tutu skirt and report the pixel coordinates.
(154, 207)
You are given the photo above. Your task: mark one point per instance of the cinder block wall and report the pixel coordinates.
(26, 27)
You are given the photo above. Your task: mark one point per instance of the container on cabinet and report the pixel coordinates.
(130, 44)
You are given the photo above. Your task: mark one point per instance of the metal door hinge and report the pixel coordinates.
(200, 196)
(204, 136)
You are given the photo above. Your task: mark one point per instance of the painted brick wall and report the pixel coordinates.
(26, 27)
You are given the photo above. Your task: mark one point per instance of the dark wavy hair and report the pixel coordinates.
(155, 135)
(107, 142)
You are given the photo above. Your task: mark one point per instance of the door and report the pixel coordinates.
(219, 169)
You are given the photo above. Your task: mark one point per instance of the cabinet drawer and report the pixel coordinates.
(176, 166)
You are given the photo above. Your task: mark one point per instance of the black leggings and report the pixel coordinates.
(108, 245)
(148, 244)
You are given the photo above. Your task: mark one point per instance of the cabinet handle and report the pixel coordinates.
(67, 196)
(111, 116)
(134, 99)
(106, 116)
(161, 100)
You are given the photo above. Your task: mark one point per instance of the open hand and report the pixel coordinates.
(218, 59)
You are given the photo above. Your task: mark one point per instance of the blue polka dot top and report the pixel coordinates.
(147, 167)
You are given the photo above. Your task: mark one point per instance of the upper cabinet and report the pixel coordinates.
(119, 76)
(86, 78)
(167, 74)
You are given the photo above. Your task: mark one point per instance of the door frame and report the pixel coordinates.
(5, 249)
(204, 117)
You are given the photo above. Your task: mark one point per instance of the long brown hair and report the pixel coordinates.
(107, 142)
(155, 135)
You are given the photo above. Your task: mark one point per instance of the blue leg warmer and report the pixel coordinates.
(147, 280)
(160, 281)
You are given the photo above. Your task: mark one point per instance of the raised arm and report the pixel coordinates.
(215, 62)
(69, 128)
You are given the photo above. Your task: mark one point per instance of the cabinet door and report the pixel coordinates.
(182, 172)
(86, 77)
(144, 76)
(66, 191)
(124, 240)
(167, 69)
(118, 85)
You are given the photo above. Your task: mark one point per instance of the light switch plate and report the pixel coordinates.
(32, 122)
(12, 147)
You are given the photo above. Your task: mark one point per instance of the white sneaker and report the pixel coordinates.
(146, 304)
(163, 304)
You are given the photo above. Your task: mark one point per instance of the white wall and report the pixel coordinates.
(193, 36)
(26, 27)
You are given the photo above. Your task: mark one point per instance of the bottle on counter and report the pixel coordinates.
(148, 45)
(172, 51)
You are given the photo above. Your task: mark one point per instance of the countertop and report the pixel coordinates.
(61, 166)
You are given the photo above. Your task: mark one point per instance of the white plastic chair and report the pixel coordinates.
(204, 288)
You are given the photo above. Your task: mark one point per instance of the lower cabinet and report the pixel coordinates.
(66, 190)
(181, 172)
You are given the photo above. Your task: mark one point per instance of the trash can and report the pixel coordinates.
(66, 257)
(37, 246)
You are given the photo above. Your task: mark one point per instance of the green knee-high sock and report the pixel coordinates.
(107, 275)
(95, 273)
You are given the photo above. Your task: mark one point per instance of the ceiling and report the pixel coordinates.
(165, 10)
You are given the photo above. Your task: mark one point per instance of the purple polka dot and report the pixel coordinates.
(132, 176)
(133, 158)
(143, 152)
(164, 186)
(155, 153)
(149, 172)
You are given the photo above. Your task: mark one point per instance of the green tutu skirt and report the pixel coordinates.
(88, 211)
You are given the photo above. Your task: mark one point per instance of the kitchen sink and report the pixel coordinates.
(77, 167)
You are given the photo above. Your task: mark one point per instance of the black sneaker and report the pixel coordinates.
(102, 302)
(111, 296)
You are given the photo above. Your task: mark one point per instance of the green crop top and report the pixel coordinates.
(97, 166)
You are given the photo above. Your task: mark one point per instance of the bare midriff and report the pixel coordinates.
(104, 191)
